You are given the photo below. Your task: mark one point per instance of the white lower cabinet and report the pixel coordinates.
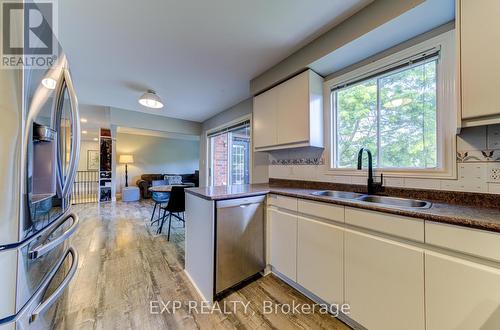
(384, 269)
(283, 242)
(461, 294)
(320, 259)
(384, 282)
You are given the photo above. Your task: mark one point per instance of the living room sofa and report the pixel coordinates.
(146, 181)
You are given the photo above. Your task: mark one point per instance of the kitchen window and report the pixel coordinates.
(399, 107)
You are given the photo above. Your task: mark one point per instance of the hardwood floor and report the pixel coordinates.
(125, 272)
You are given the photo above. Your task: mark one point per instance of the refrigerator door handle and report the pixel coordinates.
(42, 307)
(56, 124)
(43, 248)
(75, 143)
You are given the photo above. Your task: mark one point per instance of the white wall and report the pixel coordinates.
(84, 147)
(260, 160)
(154, 155)
(135, 119)
(112, 118)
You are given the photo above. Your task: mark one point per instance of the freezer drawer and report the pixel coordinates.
(39, 311)
(239, 240)
(36, 258)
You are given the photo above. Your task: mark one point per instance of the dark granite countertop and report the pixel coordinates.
(229, 192)
(461, 215)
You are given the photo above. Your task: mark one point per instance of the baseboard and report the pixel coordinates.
(202, 296)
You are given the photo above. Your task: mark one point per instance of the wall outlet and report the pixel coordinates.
(494, 172)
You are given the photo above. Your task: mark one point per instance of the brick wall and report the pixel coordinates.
(220, 160)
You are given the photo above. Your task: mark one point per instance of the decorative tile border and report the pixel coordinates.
(470, 156)
(300, 161)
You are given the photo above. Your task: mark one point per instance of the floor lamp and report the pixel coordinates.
(126, 159)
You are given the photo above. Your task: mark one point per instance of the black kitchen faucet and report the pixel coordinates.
(371, 186)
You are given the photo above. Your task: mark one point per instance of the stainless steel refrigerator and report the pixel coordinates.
(40, 144)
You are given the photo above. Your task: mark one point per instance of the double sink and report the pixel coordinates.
(375, 199)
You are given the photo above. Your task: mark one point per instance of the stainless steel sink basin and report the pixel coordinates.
(381, 200)
(395, 201)
(337, 194)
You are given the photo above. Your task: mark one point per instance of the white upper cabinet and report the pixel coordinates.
(292, 110)
(290, 115)
(479, 55)
(265, 119)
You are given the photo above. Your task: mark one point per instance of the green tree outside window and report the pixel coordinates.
(393, 115)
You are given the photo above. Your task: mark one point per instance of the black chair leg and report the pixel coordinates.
(162, 221)
(169, 225)
(153, 215)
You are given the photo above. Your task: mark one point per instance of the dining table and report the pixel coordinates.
(168, 188)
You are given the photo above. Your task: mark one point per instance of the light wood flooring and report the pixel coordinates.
(123, 267)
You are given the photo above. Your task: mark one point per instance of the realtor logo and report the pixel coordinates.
(28, 34)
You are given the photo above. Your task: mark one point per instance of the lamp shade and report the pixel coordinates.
(151, 100)
(126, 159)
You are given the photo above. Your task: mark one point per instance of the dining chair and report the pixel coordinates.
(159, 198)
(175, 207)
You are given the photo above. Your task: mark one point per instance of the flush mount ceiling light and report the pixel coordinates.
(84, 132)
(49, 83)
(83, 120)
(151, 100)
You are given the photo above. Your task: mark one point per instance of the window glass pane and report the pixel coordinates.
(219, 159)
(393, 115)
(238, 163)
(230, 157)
(356, 122)
(408, 118)
(240, 156)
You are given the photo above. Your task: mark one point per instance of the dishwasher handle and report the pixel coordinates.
(240, 202)
(245, 205)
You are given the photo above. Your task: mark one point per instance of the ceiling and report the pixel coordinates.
(424, 17)
(199, 56)
(92, 119)
(154, 133)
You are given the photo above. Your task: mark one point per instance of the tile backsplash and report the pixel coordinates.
(478, 165)
(479, 144)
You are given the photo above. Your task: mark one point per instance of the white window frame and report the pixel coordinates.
(208, 148)
(446, 112)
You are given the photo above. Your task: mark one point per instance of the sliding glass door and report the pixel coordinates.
(229, 155)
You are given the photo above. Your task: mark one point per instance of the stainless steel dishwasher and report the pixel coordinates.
(239, 240)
